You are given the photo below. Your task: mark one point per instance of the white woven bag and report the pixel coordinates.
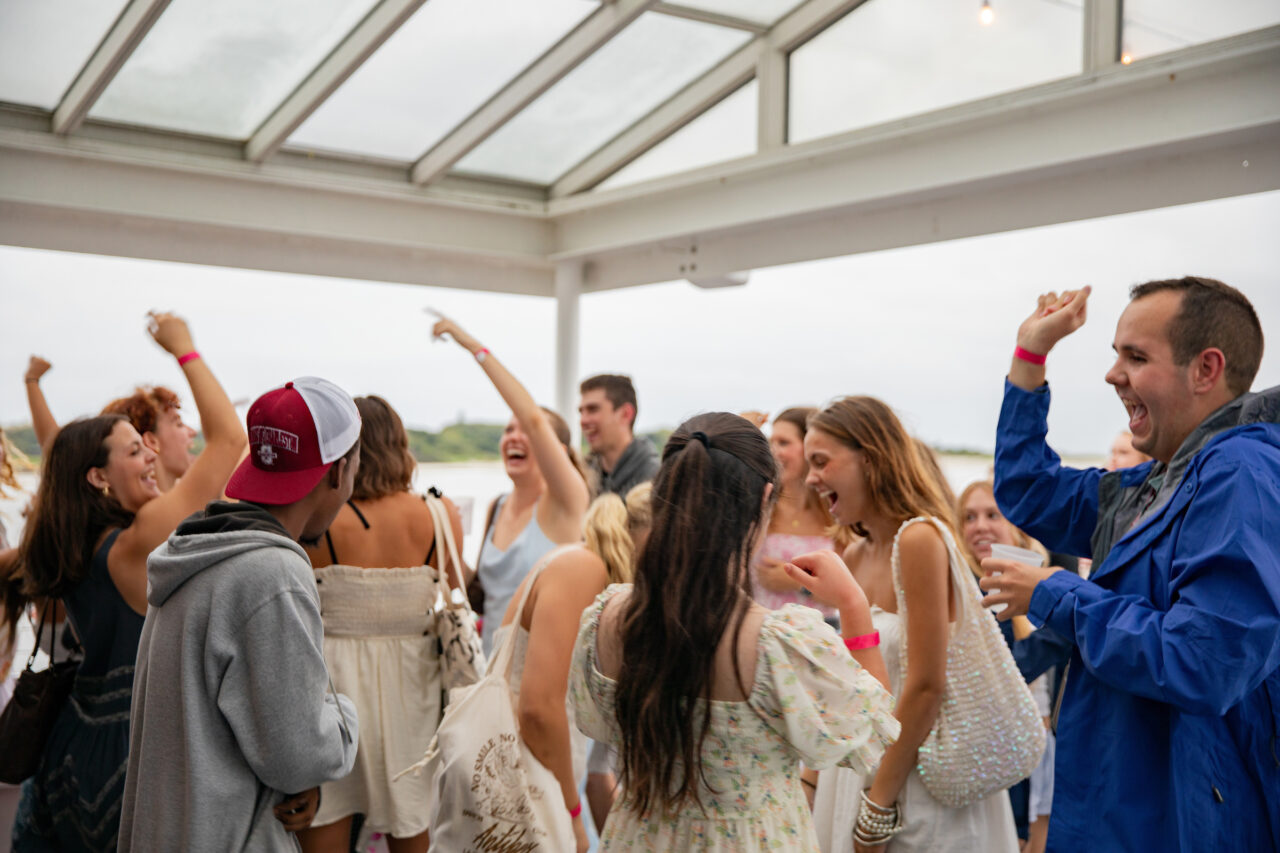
(989, 734)
(488, 791)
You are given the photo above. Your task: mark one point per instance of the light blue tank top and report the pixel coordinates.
(502, 571)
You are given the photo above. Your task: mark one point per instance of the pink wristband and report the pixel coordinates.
(191, 356)
(866, 641)
(1028, 355)
(576, 810)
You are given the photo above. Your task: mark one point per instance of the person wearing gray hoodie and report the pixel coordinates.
(233, 712)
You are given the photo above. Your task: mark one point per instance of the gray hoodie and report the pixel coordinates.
(231, 702)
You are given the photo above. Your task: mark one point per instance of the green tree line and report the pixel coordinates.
(454, 443)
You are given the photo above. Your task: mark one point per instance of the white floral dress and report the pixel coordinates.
(810, 701)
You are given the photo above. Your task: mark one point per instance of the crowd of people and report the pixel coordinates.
(804, 641)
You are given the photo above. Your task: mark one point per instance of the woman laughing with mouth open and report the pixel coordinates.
(548, 498)
(98, 513)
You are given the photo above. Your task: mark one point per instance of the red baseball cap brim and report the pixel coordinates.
(273, 488)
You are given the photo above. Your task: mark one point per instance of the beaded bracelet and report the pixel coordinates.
(876, 824)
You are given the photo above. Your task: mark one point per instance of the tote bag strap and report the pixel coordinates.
(502, 663)
(448, 550)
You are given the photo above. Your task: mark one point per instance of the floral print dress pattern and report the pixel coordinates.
(810, 701)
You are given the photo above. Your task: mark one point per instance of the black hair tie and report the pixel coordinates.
(701, 436)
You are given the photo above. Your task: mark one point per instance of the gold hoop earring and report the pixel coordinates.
(106, 491)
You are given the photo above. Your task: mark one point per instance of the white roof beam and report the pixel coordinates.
(1213, 104)
(764, 57)
(567, 54)
(676, 10)
(92, 195)
(383, 20)
(115, 49)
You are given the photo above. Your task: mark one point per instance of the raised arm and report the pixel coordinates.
(42, 420)
(1055, 504)
(565, 487)
(225, 443)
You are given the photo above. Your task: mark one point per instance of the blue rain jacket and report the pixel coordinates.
(1167, 733)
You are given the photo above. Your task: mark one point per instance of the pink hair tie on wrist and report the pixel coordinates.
(191, 356)
(576, 810)
(866, 641)
(1028, 355)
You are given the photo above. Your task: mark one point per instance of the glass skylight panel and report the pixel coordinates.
(887, 60)
(45, 43)
(1158, 26)
(442, 64)
(621, 82)
(221, 68)
(725, 131)
(760, 11)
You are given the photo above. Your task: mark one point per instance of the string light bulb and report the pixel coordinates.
(1125, 59)
(986, 14)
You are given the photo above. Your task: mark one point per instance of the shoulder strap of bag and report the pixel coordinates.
(506, 652)
(955, 566)
(448, 553)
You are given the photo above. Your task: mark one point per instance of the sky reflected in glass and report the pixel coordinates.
(45, 43)
(888, 60)
(1158, 26)
(725, 131)
(222, 68)
(442, 64)
(624, 80)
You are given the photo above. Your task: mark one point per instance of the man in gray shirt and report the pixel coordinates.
(607, 413)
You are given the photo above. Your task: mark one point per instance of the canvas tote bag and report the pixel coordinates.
(989, 734)
(461, 652)
(488, 791)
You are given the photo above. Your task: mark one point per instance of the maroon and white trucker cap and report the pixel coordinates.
(295, 434)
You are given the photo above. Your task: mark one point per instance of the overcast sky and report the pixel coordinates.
(929, 329)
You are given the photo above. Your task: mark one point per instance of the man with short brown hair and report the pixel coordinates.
(1171, 711)
(607, 416)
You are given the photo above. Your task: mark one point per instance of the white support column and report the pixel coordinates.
(568, 294)
(1101, 34)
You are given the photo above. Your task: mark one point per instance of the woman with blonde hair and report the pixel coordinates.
(560, 587)
(379, 573)
(800, 522)
(873, 477)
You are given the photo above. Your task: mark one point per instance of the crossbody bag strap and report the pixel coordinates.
(506, 652)
(449, 552)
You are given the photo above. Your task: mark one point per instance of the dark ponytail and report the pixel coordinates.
(692, 586)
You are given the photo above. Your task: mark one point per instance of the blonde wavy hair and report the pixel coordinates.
(611, 527)
(12, 456)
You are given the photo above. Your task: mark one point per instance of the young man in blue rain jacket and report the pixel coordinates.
(1168, 728)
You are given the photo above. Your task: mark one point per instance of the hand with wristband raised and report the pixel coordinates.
(1054, 317)
(825, 575)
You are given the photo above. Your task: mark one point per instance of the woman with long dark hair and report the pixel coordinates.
(711, 700)
(98, 514)
(875, 479)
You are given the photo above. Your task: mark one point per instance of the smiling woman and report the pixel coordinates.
(98, 514)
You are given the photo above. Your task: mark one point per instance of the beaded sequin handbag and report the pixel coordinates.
(461, 653)
(989, 734)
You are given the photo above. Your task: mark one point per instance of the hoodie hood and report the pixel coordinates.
(221, 531)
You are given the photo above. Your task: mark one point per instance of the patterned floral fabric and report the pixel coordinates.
(810, 701)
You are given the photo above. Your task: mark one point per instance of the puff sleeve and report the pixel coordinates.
(812, 693)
